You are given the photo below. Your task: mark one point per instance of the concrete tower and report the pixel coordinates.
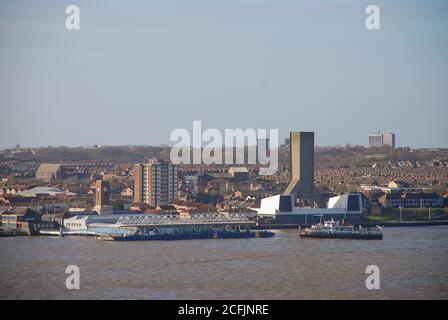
(301, 148)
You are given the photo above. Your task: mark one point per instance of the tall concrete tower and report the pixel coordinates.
(302, 165)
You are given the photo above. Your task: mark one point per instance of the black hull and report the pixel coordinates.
(343, 236)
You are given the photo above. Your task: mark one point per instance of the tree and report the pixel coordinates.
(118, 205)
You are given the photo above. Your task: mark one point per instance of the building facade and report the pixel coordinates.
(23, 221)
(102, 193)
(102, 197)
(155, 182)
(380, 140)
(389, 139)
(412, 200)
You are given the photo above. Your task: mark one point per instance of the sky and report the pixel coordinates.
(137, 70)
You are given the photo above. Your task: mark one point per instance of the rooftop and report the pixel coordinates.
(49, 167)
(49, 191)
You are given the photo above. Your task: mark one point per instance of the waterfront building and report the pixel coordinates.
(80, 223)
(172, 225)
(23, 220)
(155, 182)
(281, 209)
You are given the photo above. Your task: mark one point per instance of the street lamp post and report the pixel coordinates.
(400, 214)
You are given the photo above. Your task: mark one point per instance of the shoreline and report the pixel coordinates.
(389, 224)
(411, 223)
(367, 224)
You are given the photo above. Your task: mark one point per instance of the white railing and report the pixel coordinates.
(205, 218)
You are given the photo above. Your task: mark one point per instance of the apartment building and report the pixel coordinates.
(155, 182)
(380, 140)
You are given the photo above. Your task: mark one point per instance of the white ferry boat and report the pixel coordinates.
(334, 230)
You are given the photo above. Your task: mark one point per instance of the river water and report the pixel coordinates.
(413, 264)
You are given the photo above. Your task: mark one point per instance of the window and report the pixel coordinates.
(285, 204)
(353, 203)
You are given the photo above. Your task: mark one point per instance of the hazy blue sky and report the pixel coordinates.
(139, 69)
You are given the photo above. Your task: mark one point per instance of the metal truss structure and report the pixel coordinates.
(175, 220)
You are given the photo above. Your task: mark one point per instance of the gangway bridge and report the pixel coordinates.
(160, 227)
(196, 223)
(210, 219)
(154, 223)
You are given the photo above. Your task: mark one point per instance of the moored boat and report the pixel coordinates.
(334, 230)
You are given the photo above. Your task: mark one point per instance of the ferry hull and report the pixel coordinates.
(343, 236)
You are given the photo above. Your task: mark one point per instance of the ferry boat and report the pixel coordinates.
(334, 230)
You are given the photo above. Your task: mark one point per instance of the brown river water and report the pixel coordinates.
(413, 264)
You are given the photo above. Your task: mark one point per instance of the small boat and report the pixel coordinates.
(334, 230)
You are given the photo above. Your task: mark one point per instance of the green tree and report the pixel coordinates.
(118, 205)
